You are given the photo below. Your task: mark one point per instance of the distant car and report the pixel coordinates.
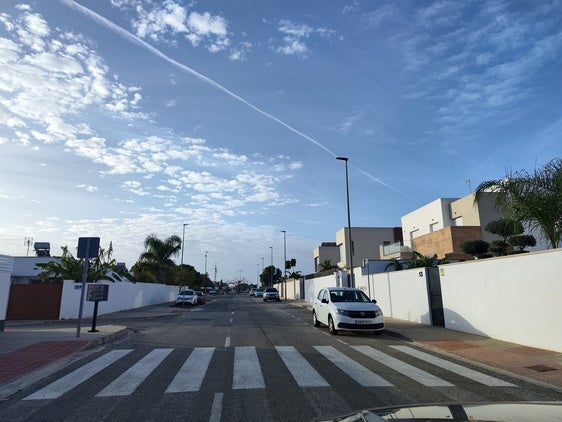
(258, 292)
(345, 308)
(252, 291)
(186, 297)
(200, 297)
(271, 293)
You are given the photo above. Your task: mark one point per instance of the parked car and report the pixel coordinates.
(271, 293)
(200, 297)
(345, 308)
(253, 291)
(258, 292)
(186, 297)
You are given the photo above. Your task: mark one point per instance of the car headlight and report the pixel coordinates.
(342, 312)
(378, 313)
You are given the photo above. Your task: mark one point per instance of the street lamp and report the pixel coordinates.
(285, 262)
(271, 247)
(206, 252)
(350, 247)
(182, 248)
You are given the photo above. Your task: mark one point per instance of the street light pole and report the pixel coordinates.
(285, 262)
(182, 248)
(350, 246)
(206, 277)
(271, 247)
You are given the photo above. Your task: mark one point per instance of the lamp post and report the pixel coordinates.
(182, 248)
(271, 247)
(350, 246)
(206, 252)
(285, 262)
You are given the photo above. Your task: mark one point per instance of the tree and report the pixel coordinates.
(156, 262)
(503, 227)
(70, 268)
(476, 248)
(521, 241)
(327, 265)
(534, 200)
(422, 261)
(270, 275)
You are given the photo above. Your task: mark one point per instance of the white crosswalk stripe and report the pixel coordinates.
(191, 374)
(128, 382)
(453, 367)
(247, 371)
(404, 368)
(77, 377)
(355, 370)
(302, 371)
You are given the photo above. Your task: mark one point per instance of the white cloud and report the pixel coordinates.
(295, 36)
(162, 22)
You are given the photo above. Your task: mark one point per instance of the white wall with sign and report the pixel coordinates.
(121, 296)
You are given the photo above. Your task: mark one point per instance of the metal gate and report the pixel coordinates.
(435, 300)
(34, 301)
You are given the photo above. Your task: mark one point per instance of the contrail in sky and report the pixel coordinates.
(136, 40)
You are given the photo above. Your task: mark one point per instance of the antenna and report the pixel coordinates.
(467, 181)
(27, 242)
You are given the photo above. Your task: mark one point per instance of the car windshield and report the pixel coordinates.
(348, 296)
(271, 290)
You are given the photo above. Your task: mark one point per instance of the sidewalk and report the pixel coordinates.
(527, 363)
(30, 350)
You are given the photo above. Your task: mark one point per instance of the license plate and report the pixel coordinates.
(363, 321)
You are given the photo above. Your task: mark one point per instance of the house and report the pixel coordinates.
(365, 244)
(441, 226)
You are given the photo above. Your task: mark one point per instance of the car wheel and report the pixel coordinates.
(315, 320)
(331, 327)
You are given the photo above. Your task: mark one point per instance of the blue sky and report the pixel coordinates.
(123, 118)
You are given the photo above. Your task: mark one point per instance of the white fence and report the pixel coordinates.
(514, 298)
(122, 295)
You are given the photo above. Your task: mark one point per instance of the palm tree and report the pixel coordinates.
(156, 261)
(535, 199)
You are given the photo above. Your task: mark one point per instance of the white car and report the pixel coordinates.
(346, 308)
(188, 297)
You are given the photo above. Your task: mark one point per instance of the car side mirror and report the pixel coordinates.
(374, 301)
(324, 300)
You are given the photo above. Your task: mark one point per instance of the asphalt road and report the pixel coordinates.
(239, 359)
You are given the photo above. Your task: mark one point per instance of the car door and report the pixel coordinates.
(322, 306)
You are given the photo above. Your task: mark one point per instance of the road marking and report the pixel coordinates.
(343, 342)
(404, 368)
(453, 367)
(128, 382)
(227, 342)
(302, 371)
(216, 408)
(192, 373)
(77, 377)
(358, 372)
(247, 372)
(231, 319)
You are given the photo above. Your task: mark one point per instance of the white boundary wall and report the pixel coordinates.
(121, 296)
(399, 294)
(514, 298)
(6, 266)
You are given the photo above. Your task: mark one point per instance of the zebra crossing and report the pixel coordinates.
(247, 372)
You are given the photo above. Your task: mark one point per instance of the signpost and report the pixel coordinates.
(96, 293)
(88, 247)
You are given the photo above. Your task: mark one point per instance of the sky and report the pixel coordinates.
(221, 121)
